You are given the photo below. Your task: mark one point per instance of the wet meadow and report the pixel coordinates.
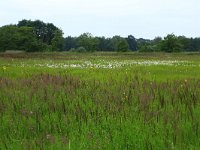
(100, 101)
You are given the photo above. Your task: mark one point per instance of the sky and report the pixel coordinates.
(140, 18)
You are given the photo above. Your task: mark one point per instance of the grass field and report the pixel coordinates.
(100, 101)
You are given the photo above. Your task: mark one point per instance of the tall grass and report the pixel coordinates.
(110, 109)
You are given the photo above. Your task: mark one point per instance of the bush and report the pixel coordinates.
(79, 50)
(72, 50)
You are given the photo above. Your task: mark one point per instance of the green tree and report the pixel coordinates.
(132, 43)
(69, 43)
(87, 41)
(119, 44)
(144, 45)
(43, 31)
(19, 38)
(8, 38)
(156, 44)
(194, 44)
(58, 41)
(171, 44)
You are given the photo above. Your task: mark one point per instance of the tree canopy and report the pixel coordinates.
(36, 36)
(31, 36)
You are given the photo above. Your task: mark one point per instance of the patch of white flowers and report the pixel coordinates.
(108, 64)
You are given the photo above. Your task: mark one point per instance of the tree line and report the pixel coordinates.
(37, 36)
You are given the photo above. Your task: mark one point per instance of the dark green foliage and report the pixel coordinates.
(119, 44)
(104, 44)
(87, 41)
(171, 43)
(81, 49)
(185, 43)
(35, 36)
(69, 43)
(58, 41)
(31, 36)
(43, 31)
(132, 43)
(145, 45)
(194, 44)
(91, 43)
(156, 44)
(15, 38)
(6, 38)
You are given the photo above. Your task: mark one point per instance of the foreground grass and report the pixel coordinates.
(130, 107)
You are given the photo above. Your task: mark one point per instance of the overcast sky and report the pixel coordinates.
(141, 18)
